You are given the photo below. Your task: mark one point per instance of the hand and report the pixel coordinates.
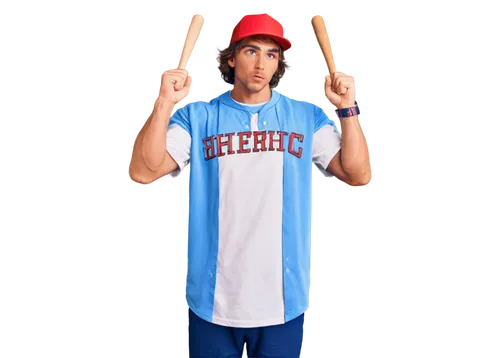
(340, 91)
(175, 85)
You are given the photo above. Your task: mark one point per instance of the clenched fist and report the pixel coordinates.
(339, 89)
(175, 85)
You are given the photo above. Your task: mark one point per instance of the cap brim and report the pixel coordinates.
(283, 42)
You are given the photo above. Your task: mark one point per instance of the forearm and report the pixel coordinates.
(354, 155)
(151, 144)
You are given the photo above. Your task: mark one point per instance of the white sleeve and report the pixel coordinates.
(326, 143)
(179, 147)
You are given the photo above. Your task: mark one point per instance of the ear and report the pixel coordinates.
(231, 62)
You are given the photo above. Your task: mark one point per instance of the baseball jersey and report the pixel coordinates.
(249, 232)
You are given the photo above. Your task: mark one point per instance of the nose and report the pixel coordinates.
(259, 62)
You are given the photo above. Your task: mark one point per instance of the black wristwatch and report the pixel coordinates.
(348, 112)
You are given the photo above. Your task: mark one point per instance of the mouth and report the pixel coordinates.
(258, 77)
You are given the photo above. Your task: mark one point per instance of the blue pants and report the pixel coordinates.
(210, 340)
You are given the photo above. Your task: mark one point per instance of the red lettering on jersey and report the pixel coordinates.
(280, 140)
(300, 137)
(244, 141)
(209, 147)
(262, 141)
(228, 142)
(259, 137)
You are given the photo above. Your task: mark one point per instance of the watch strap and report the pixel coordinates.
(348, 112)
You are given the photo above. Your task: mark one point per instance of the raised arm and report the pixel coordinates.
(150, 159)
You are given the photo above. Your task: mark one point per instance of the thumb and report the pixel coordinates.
(188, 82)
(328, 89)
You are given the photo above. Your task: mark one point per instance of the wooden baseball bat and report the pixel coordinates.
(192, 36)
(322, 37)
(320, 32)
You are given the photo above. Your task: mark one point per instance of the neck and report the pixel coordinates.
(243, 95)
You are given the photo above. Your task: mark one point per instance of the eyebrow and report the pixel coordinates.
(258, 48)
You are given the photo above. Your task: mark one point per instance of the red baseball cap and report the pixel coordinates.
(261, 24)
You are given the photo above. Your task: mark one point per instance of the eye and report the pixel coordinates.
(272, 55)
(251, 50)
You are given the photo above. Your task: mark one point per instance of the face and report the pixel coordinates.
(255, 64)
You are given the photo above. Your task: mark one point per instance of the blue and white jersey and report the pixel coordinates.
(249, 234)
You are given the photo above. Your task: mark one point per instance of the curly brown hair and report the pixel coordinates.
(227, 72)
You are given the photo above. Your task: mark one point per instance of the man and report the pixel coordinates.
(251, 151)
